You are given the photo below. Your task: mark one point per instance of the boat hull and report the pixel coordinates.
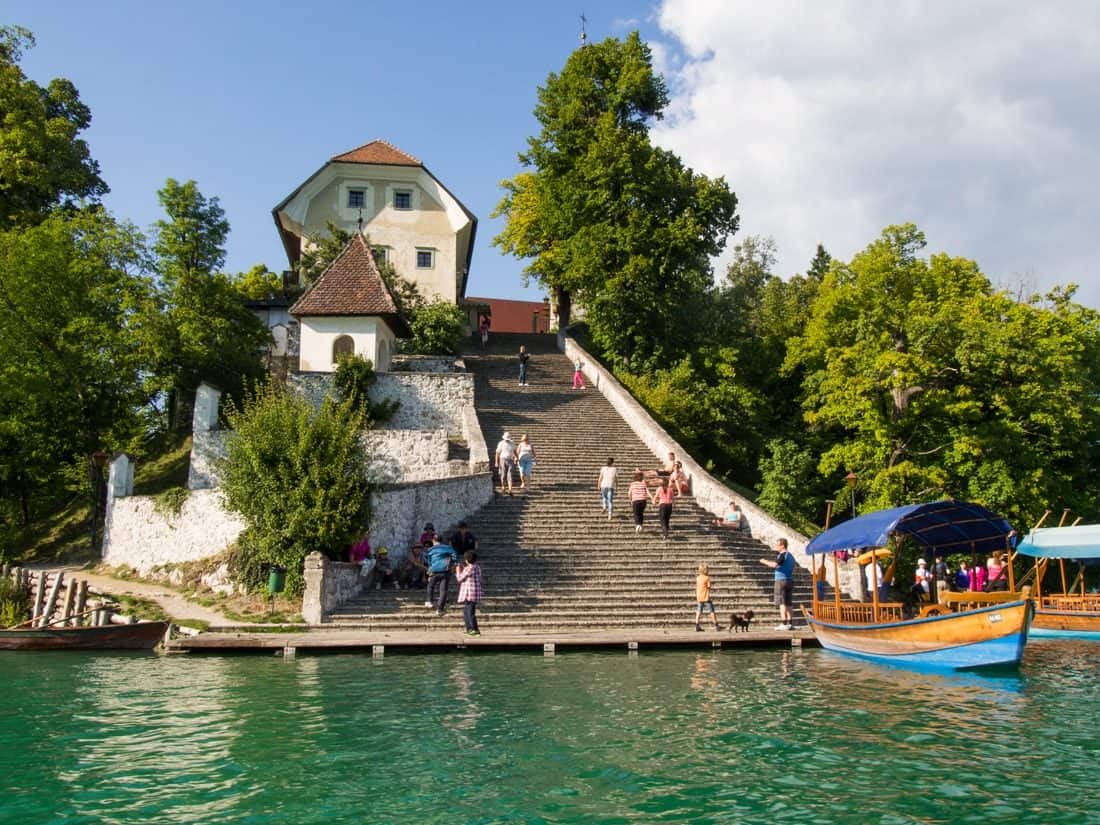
(1065, 624)
(992, 636)
(140, 636)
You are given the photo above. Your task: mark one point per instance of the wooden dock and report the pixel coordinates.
(548, 643)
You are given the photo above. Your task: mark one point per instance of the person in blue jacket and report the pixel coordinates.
(440, 558)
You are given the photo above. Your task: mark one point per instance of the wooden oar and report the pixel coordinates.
(52, 622)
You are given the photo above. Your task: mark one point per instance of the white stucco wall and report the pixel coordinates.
(138, 536)
(319, 333)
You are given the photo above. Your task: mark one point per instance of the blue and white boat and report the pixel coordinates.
(1067, 611)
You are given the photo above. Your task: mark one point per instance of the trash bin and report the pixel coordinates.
(276, 580)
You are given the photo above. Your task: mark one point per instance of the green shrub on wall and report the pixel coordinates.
(438, 329)
(298, 478)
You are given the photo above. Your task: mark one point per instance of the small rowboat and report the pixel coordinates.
(140, 636)
(960, 631)
(1068, 612)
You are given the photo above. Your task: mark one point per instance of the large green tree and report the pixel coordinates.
(43, 162)
(201, 329)
(72, 296)
(609, 219)
(926, 382)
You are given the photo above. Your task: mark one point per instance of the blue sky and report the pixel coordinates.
(975, 120)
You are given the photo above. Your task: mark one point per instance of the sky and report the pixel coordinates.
(977, 121)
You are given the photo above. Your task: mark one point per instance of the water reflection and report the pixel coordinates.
(728, 736)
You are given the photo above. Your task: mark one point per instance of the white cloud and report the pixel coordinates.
(978, 121)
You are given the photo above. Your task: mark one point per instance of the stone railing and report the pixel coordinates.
(710, 494)
(328, 584)
(427, 363)
(475, 440)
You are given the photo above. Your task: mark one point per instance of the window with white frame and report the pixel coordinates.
(425, 258)
(402, 199)
(357, 198)
(381, 254)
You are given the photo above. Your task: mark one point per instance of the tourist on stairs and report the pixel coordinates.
(504, 460)
(440, 558)
(578, 375)
(702, 597)
(606, 486)
(469, 591)
(662, 497)
(784, 570)
(525, 457)
(523, 359)
(639, 495)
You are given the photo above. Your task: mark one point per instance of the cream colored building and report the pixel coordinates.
(411, 218)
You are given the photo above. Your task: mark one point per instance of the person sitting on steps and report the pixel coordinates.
(681, 484)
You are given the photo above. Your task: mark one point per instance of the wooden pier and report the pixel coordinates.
(316, 640)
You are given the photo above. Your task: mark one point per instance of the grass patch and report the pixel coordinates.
(169, 503)
(141, 608)
(165, 466)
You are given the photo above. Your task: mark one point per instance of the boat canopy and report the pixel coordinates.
(1079, 542)
(948, 525)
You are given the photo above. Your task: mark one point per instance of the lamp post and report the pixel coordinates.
(852, 478)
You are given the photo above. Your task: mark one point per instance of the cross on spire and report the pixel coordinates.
(584, 36)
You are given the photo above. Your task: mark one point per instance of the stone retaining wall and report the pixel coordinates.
(429, 400)
(710, 494)
(406, 455)
(137, 535)
(399, 513)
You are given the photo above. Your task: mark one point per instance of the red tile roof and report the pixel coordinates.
(350, 286)
(378, 151)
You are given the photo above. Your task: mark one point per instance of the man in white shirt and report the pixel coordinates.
(505, 460)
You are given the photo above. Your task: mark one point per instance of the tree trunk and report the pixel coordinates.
(563, 306)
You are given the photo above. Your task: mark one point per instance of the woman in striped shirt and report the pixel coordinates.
(639, 495)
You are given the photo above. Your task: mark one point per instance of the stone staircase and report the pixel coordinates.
(551, 560)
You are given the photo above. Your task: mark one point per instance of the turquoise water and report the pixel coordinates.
(671, 736)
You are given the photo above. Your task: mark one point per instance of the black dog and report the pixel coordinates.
(741, 621)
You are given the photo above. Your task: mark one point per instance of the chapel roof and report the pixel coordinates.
(351, 285)
(379, 152)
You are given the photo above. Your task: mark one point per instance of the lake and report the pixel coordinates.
(730, 736)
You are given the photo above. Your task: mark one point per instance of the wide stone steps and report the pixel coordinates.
(550, 557)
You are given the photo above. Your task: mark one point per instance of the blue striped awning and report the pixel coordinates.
(948, 525)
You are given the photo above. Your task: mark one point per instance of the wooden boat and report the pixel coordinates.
(958, 631)
(140, 636)
(1068, 612)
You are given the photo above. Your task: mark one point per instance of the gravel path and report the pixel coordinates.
(177, 606)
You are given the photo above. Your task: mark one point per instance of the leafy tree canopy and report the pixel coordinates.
(43, 162)
(928, 383)
(605, 216)
(200, 330)
(72, 295)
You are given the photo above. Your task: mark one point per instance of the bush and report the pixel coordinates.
(438, 329)
(354, 377)
(13, 604)
(298, 477)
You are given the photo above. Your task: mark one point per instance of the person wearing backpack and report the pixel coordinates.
(440, 558)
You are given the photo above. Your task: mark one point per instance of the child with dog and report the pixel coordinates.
(703, 601)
